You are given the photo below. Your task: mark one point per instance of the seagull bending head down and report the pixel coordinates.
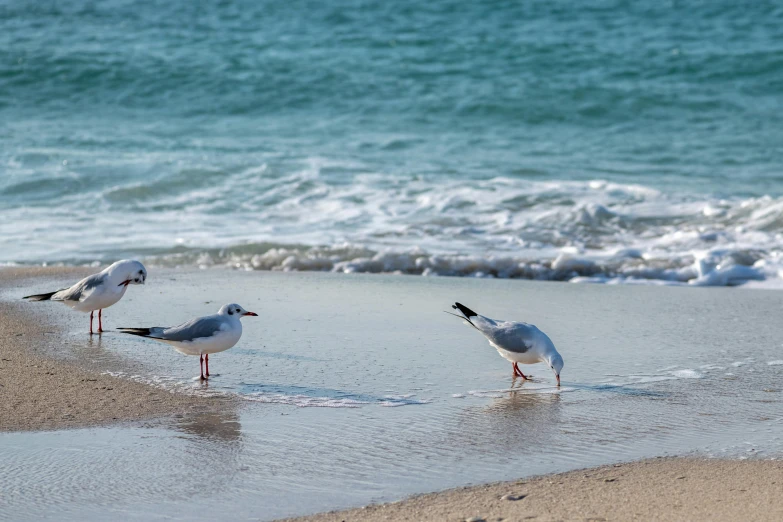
(515, 341)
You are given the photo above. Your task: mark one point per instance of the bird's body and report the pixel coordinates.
(515, 341)
(202, 336)
(98, 291)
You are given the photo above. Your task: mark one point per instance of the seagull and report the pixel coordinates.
(515, 341)
(100, 290)
(202, 336)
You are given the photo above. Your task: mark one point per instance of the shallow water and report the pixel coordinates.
(359, 388)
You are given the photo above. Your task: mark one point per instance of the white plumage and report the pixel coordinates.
(100, 290)
(515, 341)
(202, 336)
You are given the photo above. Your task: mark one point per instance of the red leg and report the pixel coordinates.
(206, 360)
(201, 366)
(100, 322)
(91, 321)
(518, 372)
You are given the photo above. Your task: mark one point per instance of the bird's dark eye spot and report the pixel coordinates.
(230, 312)
(141, 271)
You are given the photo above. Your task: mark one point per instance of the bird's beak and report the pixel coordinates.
(253, 314)
(558, 379)
(125, 283)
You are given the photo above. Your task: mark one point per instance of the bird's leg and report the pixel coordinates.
(201, 366)
(92, 312)
(100, 322)
(206, 360)
(518, 372)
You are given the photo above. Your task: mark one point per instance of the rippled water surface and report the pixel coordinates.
(358, 388)
(612, 140)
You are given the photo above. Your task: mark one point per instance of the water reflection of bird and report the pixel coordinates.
(223, 426)
(515, 421)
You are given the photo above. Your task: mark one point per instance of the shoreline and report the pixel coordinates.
(39, 393)
(51, 377)
(671, 488)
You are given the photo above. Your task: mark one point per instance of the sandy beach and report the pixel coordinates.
(658, 489)
(39, 393)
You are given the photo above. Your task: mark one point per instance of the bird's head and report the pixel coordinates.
(234, 310)
(555, 363)
(128, 272)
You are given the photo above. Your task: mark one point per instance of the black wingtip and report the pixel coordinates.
(142, 332)
(464, 309)
(40, 297)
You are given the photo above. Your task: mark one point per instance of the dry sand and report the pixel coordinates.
(38, 393)
(658, 489)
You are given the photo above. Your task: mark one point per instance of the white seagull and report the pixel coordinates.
(100, 290)
(202, 336)
(515, 341)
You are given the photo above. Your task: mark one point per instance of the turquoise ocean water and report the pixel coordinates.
(601, 141)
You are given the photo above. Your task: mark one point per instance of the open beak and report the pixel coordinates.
(125, 283)
(253, 314)
(558, 379)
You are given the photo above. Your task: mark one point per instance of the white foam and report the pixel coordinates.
(302, 401)
(775, 363)
(687, 374)
(502, 227)
(496, 394)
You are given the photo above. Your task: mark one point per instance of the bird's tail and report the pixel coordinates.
(467, 313)
(40, 297)
(142, 332)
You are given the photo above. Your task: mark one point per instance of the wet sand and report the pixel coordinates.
(38, 393)
(656, 489)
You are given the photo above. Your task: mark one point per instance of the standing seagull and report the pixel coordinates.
(100, 290)
(515, 341)
(202, 336)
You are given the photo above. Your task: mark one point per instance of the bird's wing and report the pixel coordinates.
(200, 328)
(81, 290)
(512, 336)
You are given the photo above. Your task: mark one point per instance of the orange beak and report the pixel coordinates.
(251, 313)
